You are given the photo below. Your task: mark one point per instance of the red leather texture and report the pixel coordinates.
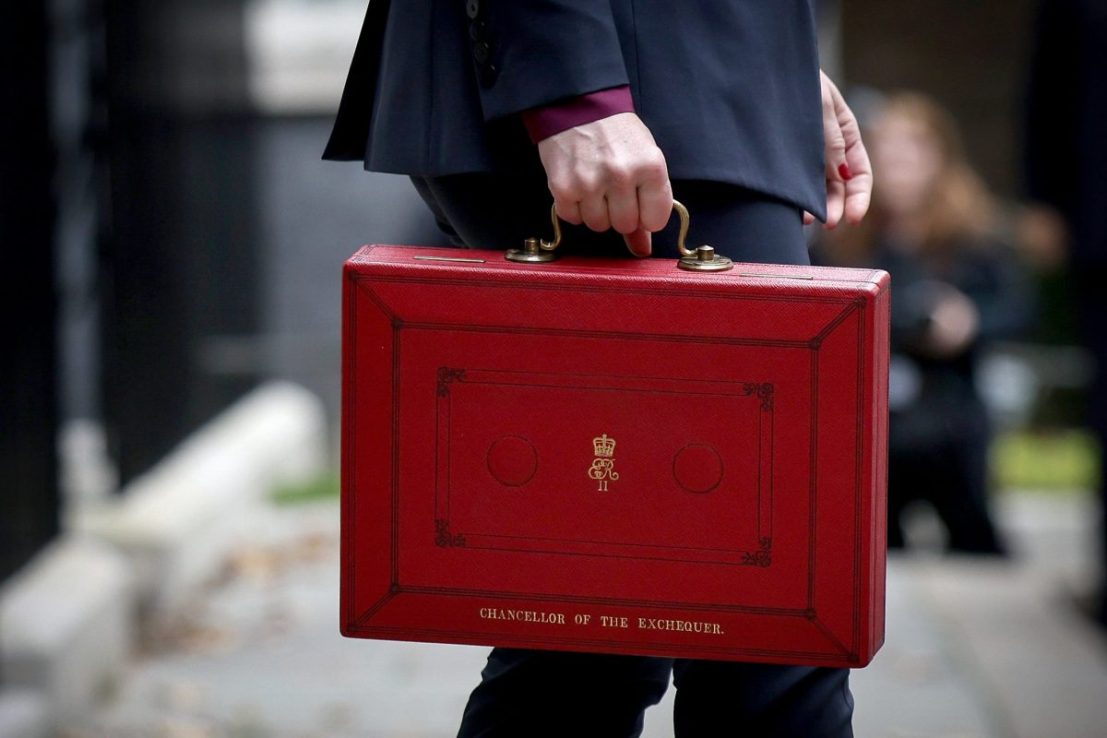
(614, 456)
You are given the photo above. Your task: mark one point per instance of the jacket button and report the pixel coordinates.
(481, 52)
(487, 75)
(478, 30)
(472, 9)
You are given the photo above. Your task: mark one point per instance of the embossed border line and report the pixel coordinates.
(446, 534)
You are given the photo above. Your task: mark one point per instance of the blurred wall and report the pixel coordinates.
(972, 55)
(179, 246)
(224, 231)
(28, 305)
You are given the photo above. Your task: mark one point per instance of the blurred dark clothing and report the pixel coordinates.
(939, 430)
(987, 272)
(550, 694)
(729, 90)
(1066, 168)
(1066, 125)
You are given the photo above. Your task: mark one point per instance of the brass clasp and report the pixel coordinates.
(702, 259)
(536, 250)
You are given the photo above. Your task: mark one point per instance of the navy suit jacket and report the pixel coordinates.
(729, 88)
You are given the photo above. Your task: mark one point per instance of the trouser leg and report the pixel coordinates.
(716, 699)
(903, 488)
(552, 693)
(962, 502)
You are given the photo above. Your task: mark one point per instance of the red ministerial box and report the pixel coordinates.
(614, 456)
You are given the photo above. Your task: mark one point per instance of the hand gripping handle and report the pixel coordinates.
(538, 250)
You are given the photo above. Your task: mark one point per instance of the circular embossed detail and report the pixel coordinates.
(512, 460)
(698, 468)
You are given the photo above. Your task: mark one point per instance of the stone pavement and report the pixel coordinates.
(974, 649)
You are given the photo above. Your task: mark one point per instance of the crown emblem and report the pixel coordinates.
(605, 447)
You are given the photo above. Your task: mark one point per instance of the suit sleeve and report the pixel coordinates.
(531, 53)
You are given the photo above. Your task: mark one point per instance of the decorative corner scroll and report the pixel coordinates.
(444, 539)
(445, 376)
(763, 557)
(763, 391)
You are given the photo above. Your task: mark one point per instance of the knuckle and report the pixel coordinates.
(563, 189)
(587, 184)
(656, 158)
(620, 175)
(652, 167)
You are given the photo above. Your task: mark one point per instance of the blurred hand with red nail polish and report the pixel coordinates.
(849, 175)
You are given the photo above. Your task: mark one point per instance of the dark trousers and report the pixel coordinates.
(530, 694)
(548, 693)
(938, 452)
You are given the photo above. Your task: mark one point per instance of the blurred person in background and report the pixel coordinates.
(956, 285)
(1066, 172)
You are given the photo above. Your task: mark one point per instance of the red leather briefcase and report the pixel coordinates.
(614, 455)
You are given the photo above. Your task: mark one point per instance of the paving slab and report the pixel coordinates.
(24, 714)
(975, 649)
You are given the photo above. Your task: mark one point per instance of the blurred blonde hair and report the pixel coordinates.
(959, 209)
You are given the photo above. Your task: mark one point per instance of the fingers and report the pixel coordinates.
(857, 198)
(835, 203)
(655, 200)
(593, 210)
(568, 211)
(625, 214)
(609, 174)
(859, 185)
(849, 178)
(622, 209)
(639, 242)
(834, 139)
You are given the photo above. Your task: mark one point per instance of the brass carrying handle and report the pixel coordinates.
(681, 211)
(703, 259)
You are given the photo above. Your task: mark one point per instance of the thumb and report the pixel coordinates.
(639, 242)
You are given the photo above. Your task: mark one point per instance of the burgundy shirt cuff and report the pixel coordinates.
(543, 122)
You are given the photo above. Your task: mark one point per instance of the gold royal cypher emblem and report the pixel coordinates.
(603, 466)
